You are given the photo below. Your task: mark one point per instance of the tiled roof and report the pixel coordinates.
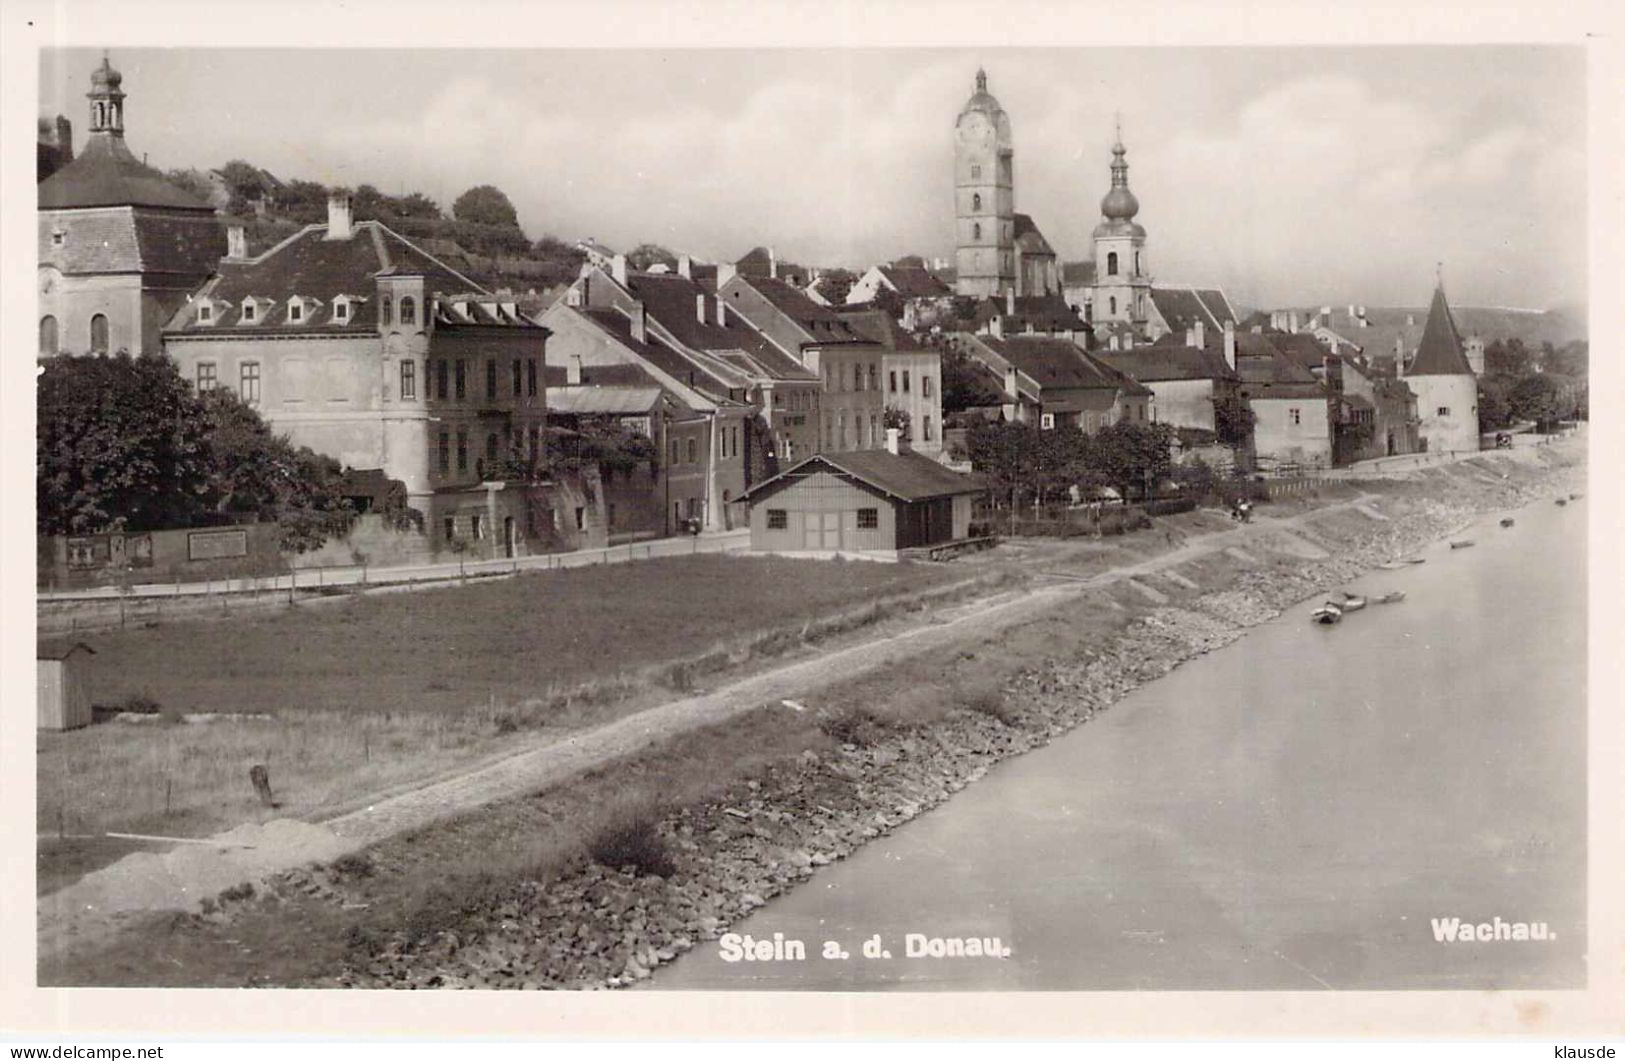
(133, 239)
(593, 400)
(308, 264)
(1077, 274)
(914, 281)
(878, 326)
(733, 352)
(673, 364)
(1169, 361)
(1182, 307)
(1032, 241)
(1301, 347)
(599, 376)
(1439, 353)
(759, 263)
(906, 476)
(107, 174)
(1270, 391)
(1046, 313)
(820, 322)
(1061, 364)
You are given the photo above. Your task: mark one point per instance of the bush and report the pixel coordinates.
(140, 704)
(989, 701)
(857, 726)
(1170, 506)
(630, 838)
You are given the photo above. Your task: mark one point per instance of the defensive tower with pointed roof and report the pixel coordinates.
(1445, 387)
(120, 246)
(1122, 285)
(984, 196)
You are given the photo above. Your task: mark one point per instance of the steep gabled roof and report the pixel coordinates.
(914, 281)
(1031, 240)
(1162, 361)
(821, 323)
(107, 174)
(1182, 307)
(878, 326)
(904, 476)
(1439, 353)
(1062, 365)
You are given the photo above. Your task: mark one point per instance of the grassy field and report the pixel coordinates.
(347, 699)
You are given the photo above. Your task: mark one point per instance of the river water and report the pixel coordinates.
(1291, 812)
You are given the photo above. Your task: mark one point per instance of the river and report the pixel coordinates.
(1295, 811)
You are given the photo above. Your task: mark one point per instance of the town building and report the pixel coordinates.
(1293, 414)
(351, 340)
(1377, 414)
(1443, 381)
(911, 375)
(845, 361)
(869, 503)
(763, 263)
(120, 247)
(1194, 382)
(910, 281)
(1053, 381)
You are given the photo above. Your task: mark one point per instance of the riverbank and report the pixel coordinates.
(852, 764)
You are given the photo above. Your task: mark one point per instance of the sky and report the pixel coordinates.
(1288, 175)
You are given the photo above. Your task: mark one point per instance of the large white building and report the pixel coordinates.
(1442, 380)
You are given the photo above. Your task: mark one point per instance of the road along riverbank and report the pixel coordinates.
(877, 754)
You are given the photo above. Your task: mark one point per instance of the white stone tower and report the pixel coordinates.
(984, 196)
(1122, 283)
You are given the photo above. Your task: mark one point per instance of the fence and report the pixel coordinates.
(108, 607)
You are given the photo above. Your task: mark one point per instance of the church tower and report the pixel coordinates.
(1122, 292)
(984, 196)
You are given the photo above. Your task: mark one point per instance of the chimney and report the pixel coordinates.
(722, 313)
(772, 264)
(1190, 336)
(1351, 311)
(1292, 322)
(996, 327)
(572, 371)
(1230, 344)
(726, 271)
(338, 217)
(894, 443)
(617, 269)
(64, 139)
(1010, 388)
(1128, 340)
(1010, 301)
(1399, 357)
(640, 323)
(1201, 334)
(685, 267)
(699, 307)
(236, 242)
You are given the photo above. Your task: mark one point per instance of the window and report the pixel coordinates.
(925, 428)
(1295, 415)
(925, 386)
(530, 377)
(476, 526)
(874, 427)
(248, 382)
(409, 380)
(409, 310)
(490, 379)
(778, 519)
(535, 443)
(98, 334)
(672, 456)
(693, 451)
(1111, 264)
(1047, 421)
(976, 202)
(462, 371)
(385, 307)
(58, 238)
(905, 381)
(976, 230)
(440, 376)
(445, 452)
(1136, 263)
(1444, 410)
(296, 311)
(874, 377)
(868, 519)
(518, 377)
(251, 311)
(840, 437)
(677, 512)
(491, 447)
(975, 171)
(1113, 302)
(47, 335)
(451, 527)
(205, 313)
(341, 310)
(462, 450)
(206, 376)
(891, 382)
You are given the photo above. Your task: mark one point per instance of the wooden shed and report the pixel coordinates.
(64, 685)
(863, 501)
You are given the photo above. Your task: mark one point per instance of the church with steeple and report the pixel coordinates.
(120, 246)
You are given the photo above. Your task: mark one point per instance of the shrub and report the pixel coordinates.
(1170, 506)
(354, 867)
(238, 893)
(140, 704)
(629, 838)
(855, 725)
(989, 700)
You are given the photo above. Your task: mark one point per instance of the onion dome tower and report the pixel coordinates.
(1122, 284)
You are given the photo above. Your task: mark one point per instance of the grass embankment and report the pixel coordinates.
(350, 699)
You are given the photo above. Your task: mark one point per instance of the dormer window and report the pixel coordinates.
(296, 311)
(205, 313)
(251, 311)
(58, 238)
(341, 310)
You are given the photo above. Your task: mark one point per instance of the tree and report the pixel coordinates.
(485, 204)
(645, 255)
(898, 418)
(835, 284)
(1536, 397)
(306, 202)
(1494, 410)
(1233, 421)
(1007, 455)
(1571, 359)
(245, 183)
(194, 181)
(602, 441)
(965, 384)
(1506, 358)
(889, 301)
(1132, 456)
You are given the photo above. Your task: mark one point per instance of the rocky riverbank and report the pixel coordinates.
(605, 927)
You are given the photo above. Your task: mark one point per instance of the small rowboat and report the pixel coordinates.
(1327, 614)
(1562, 501)
(1507, 522)
(1464, 544)
(1391, 598)
(1575, 497)
(1352, 602)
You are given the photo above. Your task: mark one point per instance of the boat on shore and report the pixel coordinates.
(1400, 565)
(1575, 497)
(1327, 614)
(1352, 602)
(1507, 522)
(1465, 543)
(1391, 598)
(1562, 501)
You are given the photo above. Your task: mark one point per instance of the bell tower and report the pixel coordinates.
(984, 197)
(106, 100)
(1122, 281)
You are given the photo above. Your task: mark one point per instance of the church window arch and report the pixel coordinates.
(98, 334)
(48, 340)
(386, 306)
(1136, 263)
(976, 201)
(1111, 264)
(409, 310)
(1113, 303)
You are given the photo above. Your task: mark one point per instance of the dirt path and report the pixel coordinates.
(93, 906)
